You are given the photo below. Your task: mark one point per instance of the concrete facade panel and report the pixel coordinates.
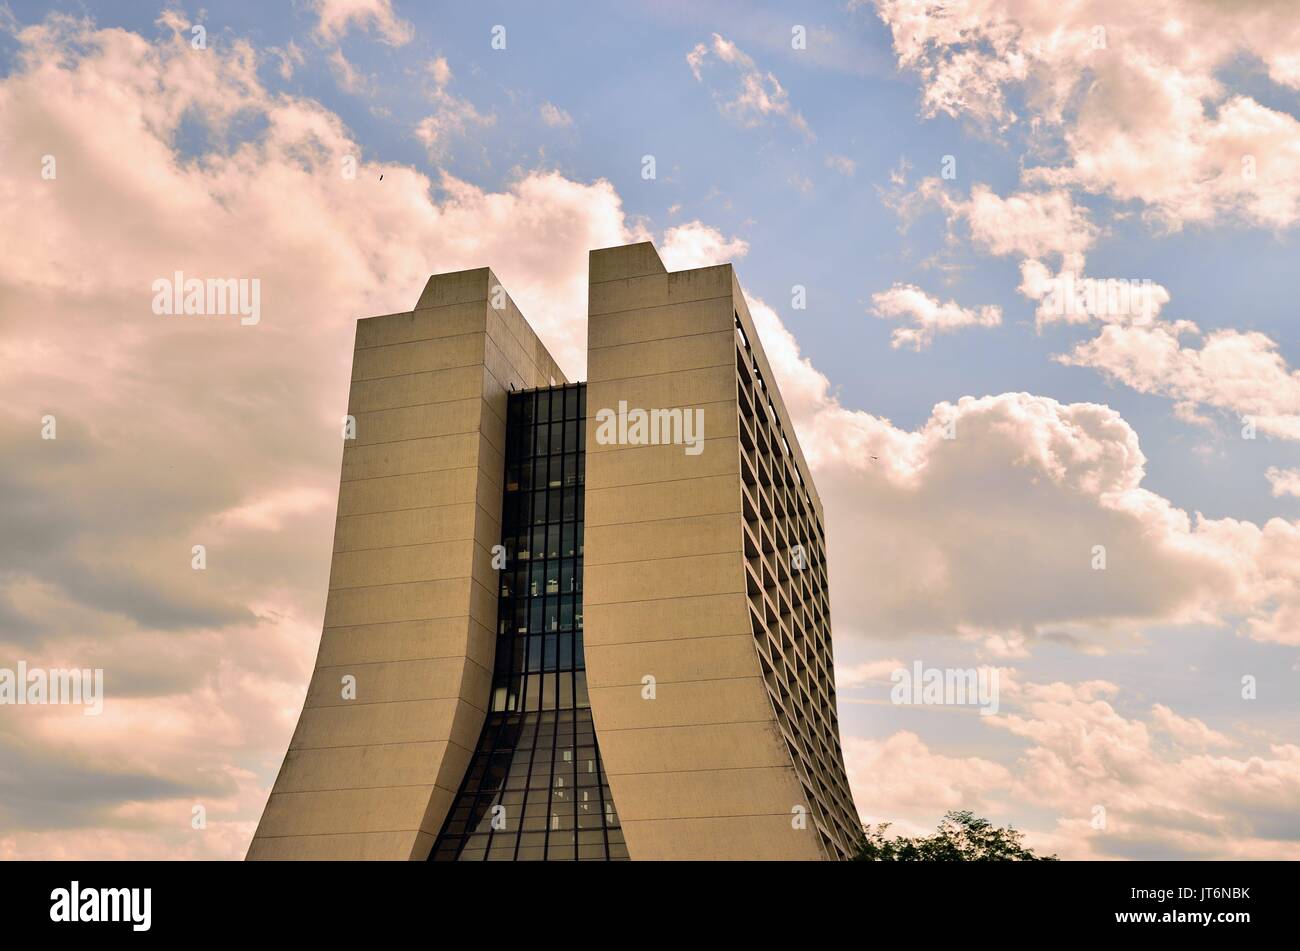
(662, 500)
(439, 523)
(678, 704)
(396, 681)
(671, 661)
(749, 745)
(665, 538)
(685, 577)
(400, 764)
(405, 456)
(410, 389)
(347, 847)
(653, 323)
(665, 355)
(669, 618)
(722, 838)
(400, 640)
(418, 421)
(698, 387)
(364, 810)
(418, 356)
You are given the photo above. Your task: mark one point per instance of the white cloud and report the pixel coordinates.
(801, 183)
(1233, 371)
(968, 535)
(695, 244)
(334, 18)
(1159, 802)
(1027, 224)
(900, 780)
(1129, 93)
(231, 439)
(1187, 731)
(290, 57)
(928, 315)
(453, 116)
(1071, 297)
(1240, 373)
(1117, 787)
(270, 511)
(842, 164)
(1283, 481)
(349, 78)
(439, 71)
(555, 117)
(751, 96)
(867, 672)
(992, 534)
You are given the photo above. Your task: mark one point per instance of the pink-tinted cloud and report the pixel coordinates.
(335, 18)
(1113, 786)
(990, 514)
(180, 431)
(747, 95)
(452, 117)
(928, 315)
(1130, 92)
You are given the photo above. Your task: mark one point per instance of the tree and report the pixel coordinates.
(961, 837)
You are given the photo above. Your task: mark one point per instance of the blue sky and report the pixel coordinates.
(621, 76)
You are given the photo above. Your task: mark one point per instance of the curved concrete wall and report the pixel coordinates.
(411, 611)
(699, 766)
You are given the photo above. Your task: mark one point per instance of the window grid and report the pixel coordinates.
(537, 756)
(789, 609)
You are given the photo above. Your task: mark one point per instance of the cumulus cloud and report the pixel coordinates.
(1129, 93)
(1026, 224)
(695, 244)
(1240, 373)
(928, 315)
(197, 430)
(900, 780)
(748, 95)
(1158, 801)
(989, 514)
(1071, 297)
(1233, 371)
(1186, 731)
(1112, 786)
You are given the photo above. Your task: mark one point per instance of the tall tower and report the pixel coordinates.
(570, 637)
(706, 572)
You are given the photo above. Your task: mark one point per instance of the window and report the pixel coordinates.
(536, 756)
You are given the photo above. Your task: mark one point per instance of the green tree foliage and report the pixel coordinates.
(961, 837)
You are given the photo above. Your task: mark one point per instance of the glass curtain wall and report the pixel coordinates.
(535, 788)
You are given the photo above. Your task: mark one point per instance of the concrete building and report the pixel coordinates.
(570, 620)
